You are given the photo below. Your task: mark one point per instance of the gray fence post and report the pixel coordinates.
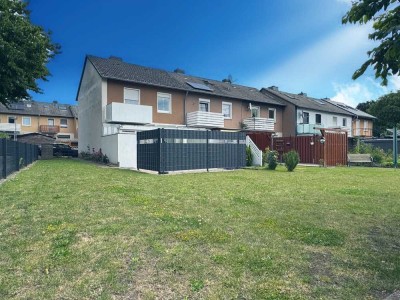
(17, 156)
(160, 167)
(208, 150)
(4, 146)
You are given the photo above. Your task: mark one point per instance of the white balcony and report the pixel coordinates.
(205, 119)
(128, 113)
(259, 124)
(10, 127)
(309, 128)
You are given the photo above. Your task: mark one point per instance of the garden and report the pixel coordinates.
(73, 229)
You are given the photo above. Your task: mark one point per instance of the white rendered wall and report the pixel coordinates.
(326, 119)
(90, 112)
(121, 149)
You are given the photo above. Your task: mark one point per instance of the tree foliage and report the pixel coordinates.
(25, 49)
(387, 111)
(385, 14)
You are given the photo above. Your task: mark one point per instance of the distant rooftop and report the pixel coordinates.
(34, 108)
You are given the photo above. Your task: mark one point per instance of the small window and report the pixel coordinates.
(164, 103)
(255, 111)
(344, 123)
(12, 119)
(318, 119)
(64, 123)
(26, 121)
(204, 105)
(63, 107)
(306, 118)
(271, 113)
(131, 96)
(63, 136)
(334, 120)
(50, 122)
(227, 110)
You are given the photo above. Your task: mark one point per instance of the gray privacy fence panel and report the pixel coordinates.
(166, 150)
(14, 155)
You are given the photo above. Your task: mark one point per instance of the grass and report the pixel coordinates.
(75, 230)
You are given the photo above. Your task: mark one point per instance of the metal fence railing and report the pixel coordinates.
(165, 150)
(15, 155)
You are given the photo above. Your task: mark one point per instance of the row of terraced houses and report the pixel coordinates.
(118, 99)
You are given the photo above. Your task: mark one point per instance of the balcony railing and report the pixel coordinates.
(128, 113)
(205, 119)
(49, 129)
(309, 128)
(10, 127)
(259, 124)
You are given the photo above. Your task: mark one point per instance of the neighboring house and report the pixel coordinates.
(117, 99)
(304, 115)
(53, 119)
(362, 123)
(36, 138)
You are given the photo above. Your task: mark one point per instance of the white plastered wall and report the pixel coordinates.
(121, 149)
(92, 94)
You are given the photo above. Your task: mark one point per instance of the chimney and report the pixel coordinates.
(55, 102)
(303, 94)
(115, 58)
(274, 88)
(179, 71)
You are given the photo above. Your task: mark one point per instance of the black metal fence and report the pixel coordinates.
(166, 150)
(15, 155)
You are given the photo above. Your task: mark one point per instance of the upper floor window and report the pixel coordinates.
(227, 110)
(50, 122)
(204, 105)
(344, 122)
(26, 121)
(131, 96)
(318, 119)
(255, 111)
(334, 121)
(64, 123)
(272, 114)
(306, 118)
(12, 119)
(164, 103)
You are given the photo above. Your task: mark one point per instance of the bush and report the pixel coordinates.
(271, 159)
(378, 154)
(291, 160)
(249, 156)
(96, 156)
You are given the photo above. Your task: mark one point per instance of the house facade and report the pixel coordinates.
(53, 119)
(362, 123)
(304, 115)
(117, 99)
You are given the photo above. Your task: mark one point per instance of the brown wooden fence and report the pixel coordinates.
(332, 152)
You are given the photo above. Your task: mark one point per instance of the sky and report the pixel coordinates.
(297, 45)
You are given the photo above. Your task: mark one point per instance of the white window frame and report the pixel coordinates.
(164, 95)
(230, 110)
(48, 121)
(258, 109)
(320, 119)
(344, 122)
(125, 98)
(334, 118)
(201, 100)
(274, 110)
(63, 125)
(305, 113)
(26, 118)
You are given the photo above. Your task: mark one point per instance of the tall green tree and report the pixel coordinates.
(387, 111)
(385, 15)
(25, 49)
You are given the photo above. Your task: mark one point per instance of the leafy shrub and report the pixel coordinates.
(249, 156)
(378, 154)
(291, 160)
(4, 135)
(96, 156)
(271, 159)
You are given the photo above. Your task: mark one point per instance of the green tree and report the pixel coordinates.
(364, 106)
(387, 111)
(25, 49)
(386, 24)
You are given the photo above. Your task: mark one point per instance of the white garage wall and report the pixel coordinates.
(121, 149)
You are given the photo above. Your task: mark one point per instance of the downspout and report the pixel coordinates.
(184, 109)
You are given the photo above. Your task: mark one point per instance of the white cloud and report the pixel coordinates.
(321, 61)
(363, 90)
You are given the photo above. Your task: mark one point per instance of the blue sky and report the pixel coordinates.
(298, 45)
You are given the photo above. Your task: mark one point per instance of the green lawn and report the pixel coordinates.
(75, 230)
